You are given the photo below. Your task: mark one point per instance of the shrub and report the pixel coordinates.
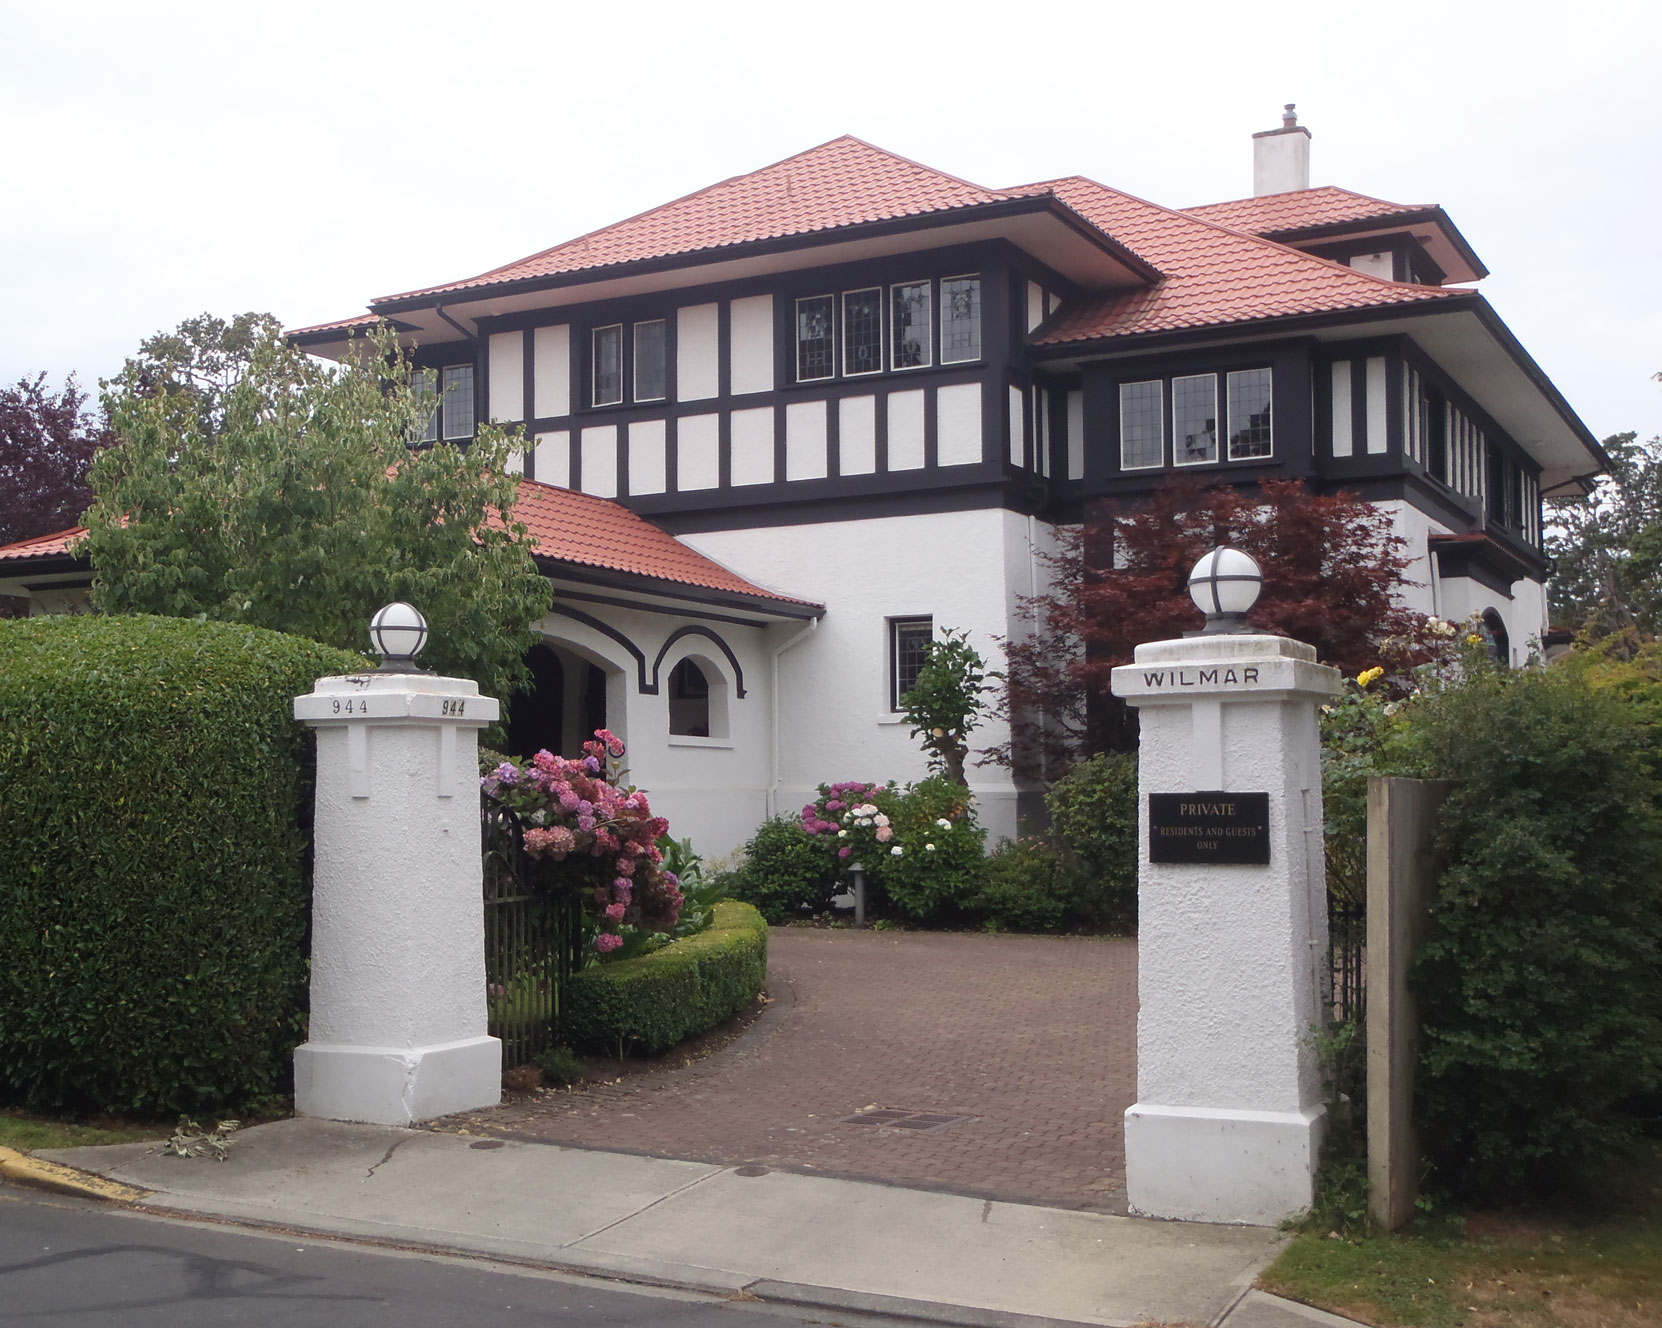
(786, 873)
(1027, 885)
(680, 991)
(598, 838)
(941, 849)
(562, 1066)
(1093, 815)
(153, 889)
(1538, 979)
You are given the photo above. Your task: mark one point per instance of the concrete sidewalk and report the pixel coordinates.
(779, 1236)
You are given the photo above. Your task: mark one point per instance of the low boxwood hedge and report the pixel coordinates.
(685, 989)
(154, 893)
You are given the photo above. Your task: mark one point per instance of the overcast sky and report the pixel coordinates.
(167, 159)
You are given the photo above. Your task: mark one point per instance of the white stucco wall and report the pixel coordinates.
(963, 569)
(712, 789)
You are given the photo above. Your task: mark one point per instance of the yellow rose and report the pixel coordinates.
(1369, 676)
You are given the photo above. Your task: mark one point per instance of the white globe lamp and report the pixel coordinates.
(1224, 585)
(398, 632)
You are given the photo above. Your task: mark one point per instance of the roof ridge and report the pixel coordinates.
(1313, 189)
(574, 240)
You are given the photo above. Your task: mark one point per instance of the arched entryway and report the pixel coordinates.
(564, 704)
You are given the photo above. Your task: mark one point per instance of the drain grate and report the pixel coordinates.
(902, 1118)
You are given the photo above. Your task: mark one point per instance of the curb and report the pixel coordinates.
(37, 1173)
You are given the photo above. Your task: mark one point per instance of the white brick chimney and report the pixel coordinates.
(1281, 157)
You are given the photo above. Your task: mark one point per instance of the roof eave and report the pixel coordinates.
(703, 596)
(1013, 207)
(1388, 221)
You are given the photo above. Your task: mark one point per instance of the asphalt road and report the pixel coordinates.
(72, 1263)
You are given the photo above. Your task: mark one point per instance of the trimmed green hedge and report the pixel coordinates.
(675, 993)
(154, 896)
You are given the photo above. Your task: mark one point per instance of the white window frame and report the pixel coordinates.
(424, 387)
(796, 339)
(928, 327)
(940, 306)
(882, 326)
(1217, 421)
(1160, 383)
(471, 421)
(635, 358)
(1229, 422)
(594, 364)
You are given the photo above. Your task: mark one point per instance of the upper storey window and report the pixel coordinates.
(960, 319)
(1192, 403)
(1249, 415)
(893, 328)
(608, 365)
(909, 335)
(816, 338)
(649, 360)
(452, 415)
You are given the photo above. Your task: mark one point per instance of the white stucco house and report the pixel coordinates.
(783, 429)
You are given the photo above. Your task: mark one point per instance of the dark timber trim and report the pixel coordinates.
(680, 634)
(589, 620)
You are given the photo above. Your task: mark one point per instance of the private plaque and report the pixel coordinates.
(1226, 829)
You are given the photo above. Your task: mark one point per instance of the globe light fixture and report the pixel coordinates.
(1224, 585)
(398, 632)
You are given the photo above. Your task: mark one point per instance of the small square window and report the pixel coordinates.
(960, 319)
(458, 401)
(816, 338)
(910, 340)
(909, 640)
(649, 361)
(608, 365)
(1249, 415)
(863, 331)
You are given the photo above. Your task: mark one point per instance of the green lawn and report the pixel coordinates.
(29, 1132)
(1598, 1266)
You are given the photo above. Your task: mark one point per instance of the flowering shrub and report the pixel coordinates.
(598, 837)
(920, 846)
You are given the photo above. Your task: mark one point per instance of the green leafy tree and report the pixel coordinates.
(948, 701)
(285, 493)
(1608, 547)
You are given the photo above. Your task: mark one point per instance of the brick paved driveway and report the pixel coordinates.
(1032, 1038)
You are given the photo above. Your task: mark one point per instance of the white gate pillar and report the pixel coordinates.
(1232, 927)
(398, 1013)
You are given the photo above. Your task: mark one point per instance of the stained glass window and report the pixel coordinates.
(1142, 425)
(909, 640)
(863, 331)
(608, 365)
(909, 334)
(1249, 414)
(458, 401)
(1194, 419)
(960, 319)
(815, 338)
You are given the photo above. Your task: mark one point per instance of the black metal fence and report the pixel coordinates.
(1347, 945)
(533, 941)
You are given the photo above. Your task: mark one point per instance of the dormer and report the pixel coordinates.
(1395, 241)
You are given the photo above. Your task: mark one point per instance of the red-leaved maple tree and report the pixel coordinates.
(1333, 569)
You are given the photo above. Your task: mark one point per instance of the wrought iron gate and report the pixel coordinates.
(533, 941)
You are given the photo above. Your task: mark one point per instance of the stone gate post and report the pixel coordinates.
(1232, 926)
(398, 1013)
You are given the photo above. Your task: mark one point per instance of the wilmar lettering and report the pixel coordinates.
(1245, 676)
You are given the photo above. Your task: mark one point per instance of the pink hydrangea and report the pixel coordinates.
(615, 911)
(606, 942)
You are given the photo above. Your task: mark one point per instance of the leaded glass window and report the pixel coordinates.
(863, 331)
(1249, 414)
(960, 319)
(1194, 419)
(909, 640)
(815, 337)
(608, 366)
(649, 361)
(909, 333)
(1142, 425)
(424, 387)
(458, 401)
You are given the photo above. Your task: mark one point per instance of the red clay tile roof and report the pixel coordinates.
(579, 528)
(361, 320)
(1211, 275)
(1275, 213)
(567, 527)
(841, 183)
(43, 546)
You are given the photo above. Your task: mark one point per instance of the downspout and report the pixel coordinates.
(471, 336)
(774, 772)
